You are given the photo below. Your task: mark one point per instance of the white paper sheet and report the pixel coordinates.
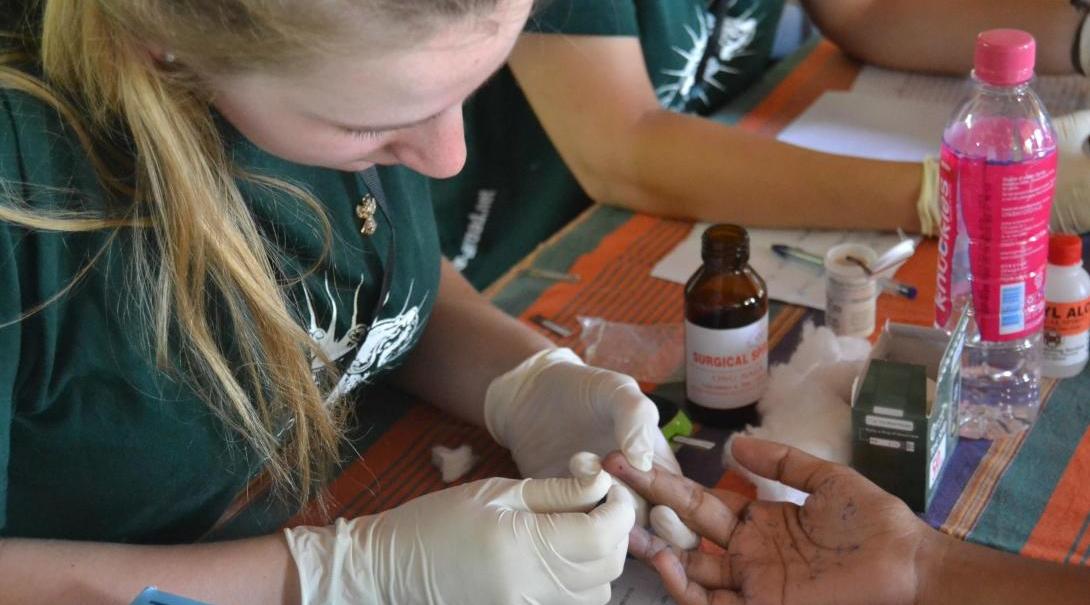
(1061, 94)
(639, 585)
(870, 126)
(789, 281)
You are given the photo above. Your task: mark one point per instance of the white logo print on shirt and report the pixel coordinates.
(689, 82)
(386, 339)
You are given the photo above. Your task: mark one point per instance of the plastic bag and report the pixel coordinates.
(653, 353)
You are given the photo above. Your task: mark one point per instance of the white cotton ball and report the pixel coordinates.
(808, 404)
(453, 464)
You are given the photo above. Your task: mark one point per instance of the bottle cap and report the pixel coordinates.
(1065, 250)
(725, 242)
(1005, 57)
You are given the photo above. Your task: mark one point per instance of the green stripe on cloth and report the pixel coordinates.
(523, 291)
(1025, 489)
(742, 104)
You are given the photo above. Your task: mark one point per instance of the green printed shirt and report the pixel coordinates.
(515, 190)
(96, 441)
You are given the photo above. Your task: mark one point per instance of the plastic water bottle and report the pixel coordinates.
(996, 184)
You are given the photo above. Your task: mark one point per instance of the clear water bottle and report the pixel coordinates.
(996, 184)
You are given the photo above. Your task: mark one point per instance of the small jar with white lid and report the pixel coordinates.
(1067, 309)
(851, 296)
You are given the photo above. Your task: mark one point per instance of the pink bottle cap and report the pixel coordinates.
(1005, 57)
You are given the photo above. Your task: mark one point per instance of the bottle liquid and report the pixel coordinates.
(1067, 309)
(996, 184)
(726, 332)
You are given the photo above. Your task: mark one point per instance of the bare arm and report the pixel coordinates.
(596, 102)
(938, 35)
(467, 343)
(258, 571)
(959, 572)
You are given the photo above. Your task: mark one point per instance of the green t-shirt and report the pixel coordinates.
(515, 191)
(96, 441)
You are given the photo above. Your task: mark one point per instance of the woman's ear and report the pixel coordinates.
(160, 54)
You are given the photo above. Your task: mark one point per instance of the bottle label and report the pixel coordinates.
(1067, 332)
(948, 235)
(850, 308)
(726, 369)
(1006, 209)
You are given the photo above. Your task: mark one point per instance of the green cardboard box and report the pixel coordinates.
(901, 439)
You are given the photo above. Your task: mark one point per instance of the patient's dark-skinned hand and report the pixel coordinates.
(850, 543)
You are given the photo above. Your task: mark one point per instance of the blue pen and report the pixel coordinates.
(888, 285)
(152, 596)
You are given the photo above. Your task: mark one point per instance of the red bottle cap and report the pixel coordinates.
(1005, 57)
(1065, 250)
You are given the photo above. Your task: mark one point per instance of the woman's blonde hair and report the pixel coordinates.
(194, 234)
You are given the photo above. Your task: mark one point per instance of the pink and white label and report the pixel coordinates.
(726, 369)
(1006, 209)
(948, 235)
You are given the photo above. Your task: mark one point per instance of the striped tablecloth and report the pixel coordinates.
(1029, 494)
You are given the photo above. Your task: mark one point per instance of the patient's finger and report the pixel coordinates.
(712, 515)
(685, 589)
(792, 467)
(708, 570)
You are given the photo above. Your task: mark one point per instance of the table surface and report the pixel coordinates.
(1028, 494)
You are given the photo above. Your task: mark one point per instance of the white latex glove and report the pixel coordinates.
(1071, 209)
(553, 405)
(927, 205)
(662, 519)
(496, 541)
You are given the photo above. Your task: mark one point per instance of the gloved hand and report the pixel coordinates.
(927, 205)
(1071, 209)
(553, 405)
(495, 541)
(662, 519)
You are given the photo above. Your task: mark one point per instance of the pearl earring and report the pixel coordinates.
(169, 58)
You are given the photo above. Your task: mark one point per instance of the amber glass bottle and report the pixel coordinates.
(726, 332)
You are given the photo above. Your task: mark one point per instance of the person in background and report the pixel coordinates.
(850, 543)
(606, 102)
(201, 206)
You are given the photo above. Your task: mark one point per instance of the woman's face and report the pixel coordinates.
(396, 106)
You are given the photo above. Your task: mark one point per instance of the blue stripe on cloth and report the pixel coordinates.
(958, 473)
(1078, 539)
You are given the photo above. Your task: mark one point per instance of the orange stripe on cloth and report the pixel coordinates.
(826, 68)
(978, 491)
(616, 283)
(1057, 531)
(919, 271)
(615, 272)
(397, 467)
(733, 481)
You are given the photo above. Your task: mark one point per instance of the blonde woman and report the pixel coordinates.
(201, 272)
